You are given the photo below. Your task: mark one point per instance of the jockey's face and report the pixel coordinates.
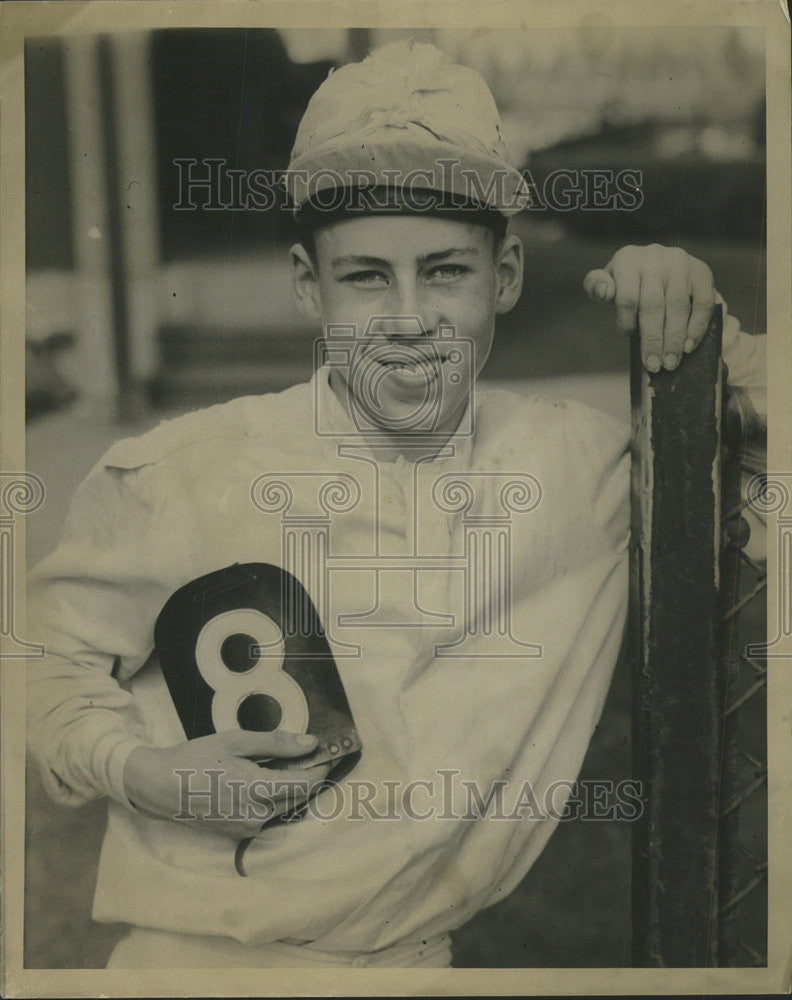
(418, 295)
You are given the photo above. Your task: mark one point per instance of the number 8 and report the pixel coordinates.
(264, 677)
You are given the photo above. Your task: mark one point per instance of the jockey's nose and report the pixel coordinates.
(410, 315)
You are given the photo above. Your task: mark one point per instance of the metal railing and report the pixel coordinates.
(742, 897)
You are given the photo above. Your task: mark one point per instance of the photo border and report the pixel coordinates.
(28, 18)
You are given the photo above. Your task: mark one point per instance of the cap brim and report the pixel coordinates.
(407, 162)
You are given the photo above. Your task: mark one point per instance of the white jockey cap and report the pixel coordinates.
(405, 117)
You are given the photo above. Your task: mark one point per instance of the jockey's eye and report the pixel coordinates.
(365, 279)
(443, 273)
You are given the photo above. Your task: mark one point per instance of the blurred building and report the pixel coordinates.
(190, 305)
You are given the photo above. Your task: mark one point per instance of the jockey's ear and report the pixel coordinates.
(509, 268)
(305, 283)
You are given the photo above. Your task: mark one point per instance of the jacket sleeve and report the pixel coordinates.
(745, 356)
(92, 603)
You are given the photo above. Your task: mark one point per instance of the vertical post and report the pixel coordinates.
(133, 120)
(117, 264)
(94, 363)
(678, 683)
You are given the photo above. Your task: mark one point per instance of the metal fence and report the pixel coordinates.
(743, 852)
(699, 894)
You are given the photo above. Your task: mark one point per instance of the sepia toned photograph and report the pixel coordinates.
(397, 545)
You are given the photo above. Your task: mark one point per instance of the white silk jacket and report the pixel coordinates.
(475, 606)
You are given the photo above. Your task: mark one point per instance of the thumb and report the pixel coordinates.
(278, 743)
(599, 284)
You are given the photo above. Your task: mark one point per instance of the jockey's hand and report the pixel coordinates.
(213, 783)
(664, 293)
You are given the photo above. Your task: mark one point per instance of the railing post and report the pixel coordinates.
(678, 680)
